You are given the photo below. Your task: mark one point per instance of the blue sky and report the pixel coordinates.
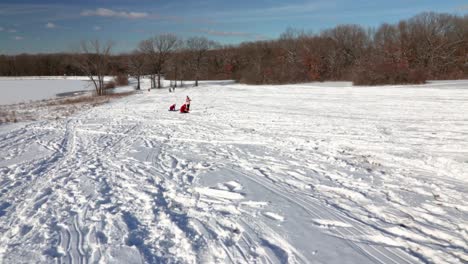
(44, 26)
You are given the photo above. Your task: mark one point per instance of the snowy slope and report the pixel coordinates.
(312, 173)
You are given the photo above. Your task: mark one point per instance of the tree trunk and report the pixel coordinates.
(101, 85)
(153, 81)
(138, 82)
(197, 70)
(159, 80)
(96, 87)
(175, 77)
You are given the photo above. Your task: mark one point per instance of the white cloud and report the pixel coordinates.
(97, 28)
(12, 30)
(104, 12)
(50, 25)
(18, 38)
(2, 29)
(463, 8)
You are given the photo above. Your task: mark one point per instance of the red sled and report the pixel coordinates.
(183, 109)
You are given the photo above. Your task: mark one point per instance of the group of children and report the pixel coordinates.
(185, 108)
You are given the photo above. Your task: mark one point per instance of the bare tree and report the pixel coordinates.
(175, 67)
(146, 47)
(350, 43)
(289, 42)
(429, 45)
(159, 48)
(198, 46)
(184, 68)
(93, 61)
(164, 44)
(136, 66)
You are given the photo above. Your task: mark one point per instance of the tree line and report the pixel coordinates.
(427, 46)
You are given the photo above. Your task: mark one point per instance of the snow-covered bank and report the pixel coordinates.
(16, 90)
(56, 108)
(269, 174)
(23, 90)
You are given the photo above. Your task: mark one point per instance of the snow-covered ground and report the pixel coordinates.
(23, 89)
(51, 97)
(311, 173)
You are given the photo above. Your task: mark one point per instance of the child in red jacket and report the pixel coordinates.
(184, 109)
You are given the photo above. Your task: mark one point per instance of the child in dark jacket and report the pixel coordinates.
(187, 102)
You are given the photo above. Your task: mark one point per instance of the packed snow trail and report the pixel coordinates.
(265, 174)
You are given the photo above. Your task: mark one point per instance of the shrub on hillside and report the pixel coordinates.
(121, 80)
(382, 72)
(109, 85)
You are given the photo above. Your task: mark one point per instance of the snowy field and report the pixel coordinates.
(23, 89)
(307, 173)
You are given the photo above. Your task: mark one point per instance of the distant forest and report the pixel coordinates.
(425, 47)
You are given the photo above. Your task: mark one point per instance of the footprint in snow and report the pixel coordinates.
(274, 216)
(233, 186)
(324, 223)
(219, 194)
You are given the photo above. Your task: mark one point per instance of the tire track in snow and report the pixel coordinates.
(230, 155)
(399, 255)
(362, 224)
(315, 212)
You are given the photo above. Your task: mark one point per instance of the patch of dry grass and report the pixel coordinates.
(89, 99)
(8, 117)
